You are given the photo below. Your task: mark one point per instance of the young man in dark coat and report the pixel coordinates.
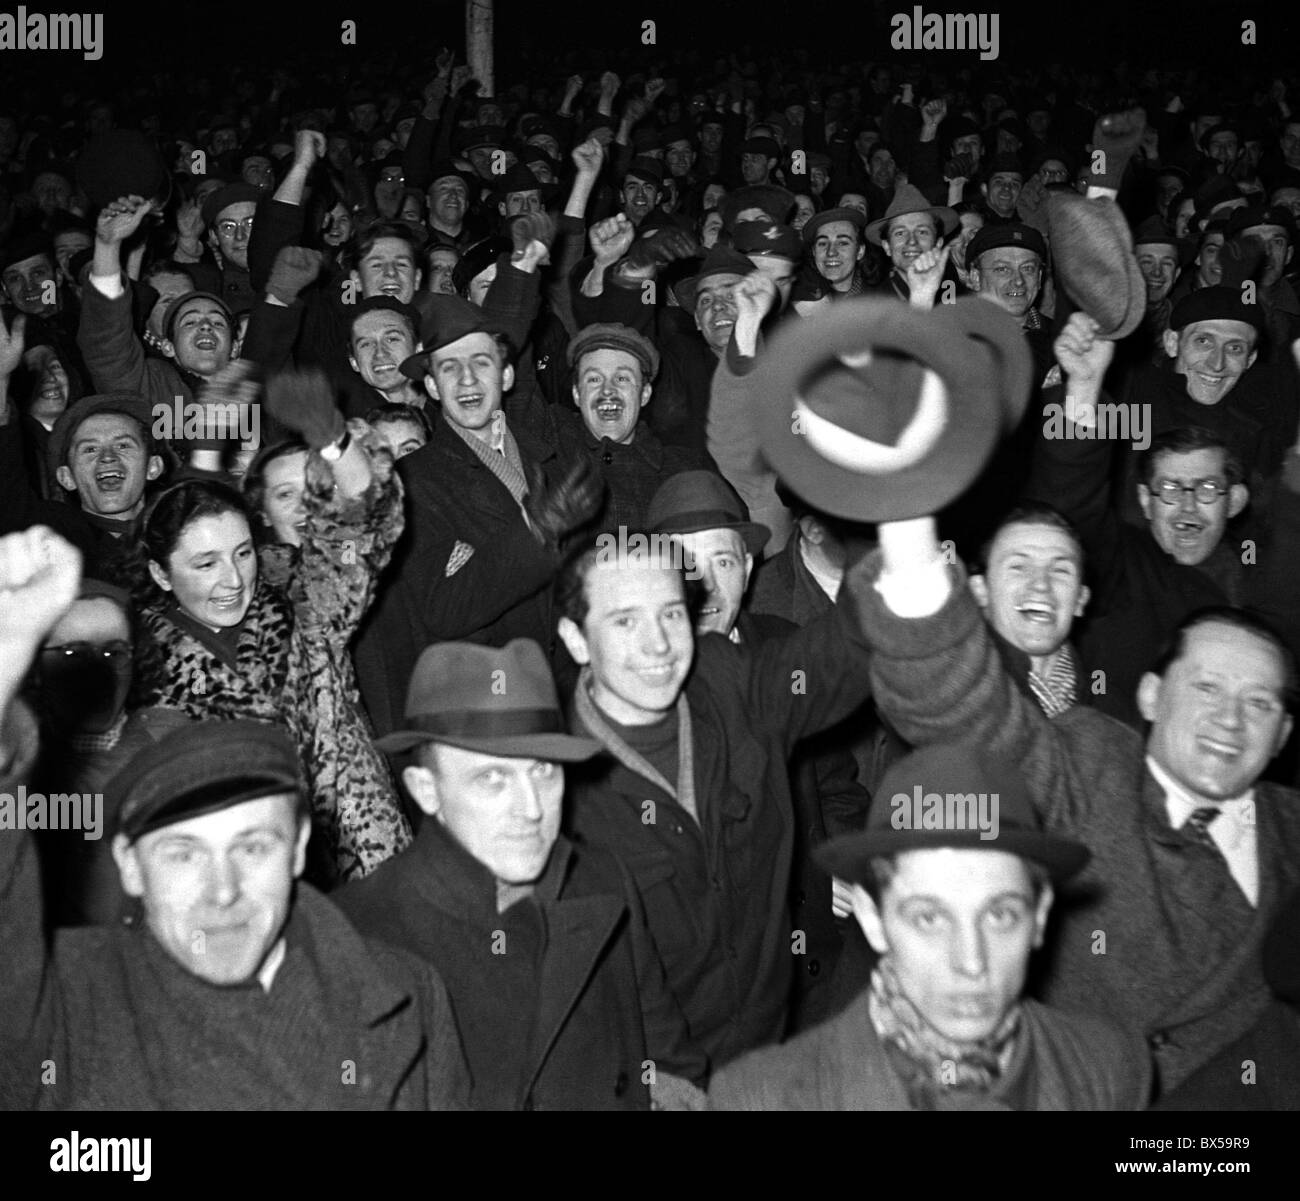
(487, 502)
(953, 899)
(555, 980)
(237, 988)
(697, 800)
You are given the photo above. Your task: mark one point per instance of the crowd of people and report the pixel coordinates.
(543, 585)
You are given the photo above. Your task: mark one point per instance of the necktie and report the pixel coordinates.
(1198, 826)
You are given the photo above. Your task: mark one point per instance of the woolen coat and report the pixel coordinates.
(572, 1027)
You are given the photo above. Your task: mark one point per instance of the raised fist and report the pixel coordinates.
(610, 239)
(588, 156)
(120, 218)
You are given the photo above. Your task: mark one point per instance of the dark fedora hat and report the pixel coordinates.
(1093, 249)
(951, 796)
(201, 768)
(496, 700)
(771, 199)
(909, 199)
(873, 411)
(721, 260)
(691, 501)
(446, 319)
(122, 162)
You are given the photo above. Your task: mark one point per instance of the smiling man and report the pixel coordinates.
(614, 369)
(1030, 586)
(696, 794)
(381, 338)
(237, 987)
(1192, 851)
(833, 240)
(486, 501)
(954, 917)
(910, 227)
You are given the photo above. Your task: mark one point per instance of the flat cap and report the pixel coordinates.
(203, 768)
(611, 335)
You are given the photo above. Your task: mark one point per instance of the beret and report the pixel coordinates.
(1012, 233)
(1216, 304)
(608, 334)
(223, 198)
(203, 768)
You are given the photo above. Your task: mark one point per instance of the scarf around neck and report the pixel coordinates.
(683, 791)
(931, 1061)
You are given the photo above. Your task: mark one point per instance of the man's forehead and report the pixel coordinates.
(1027, 538)
(608, 358)
(466, 347)
(1221, 327)
(1016, 255)
(913, 221)
(640, 580)
(1265, 231)
(1191, 464)
(1155, 250)
(380, 323)
(837, 229)
(390, 248)
(1225, 647)
(106, 425)
(237, 211)
(200, 308)
(715, 285)
(704, 542)
(959, 875)
(90, 617)
(466, 760)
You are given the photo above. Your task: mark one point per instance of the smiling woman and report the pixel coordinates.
(245, 630)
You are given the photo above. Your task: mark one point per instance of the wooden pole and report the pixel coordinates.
(478, 43)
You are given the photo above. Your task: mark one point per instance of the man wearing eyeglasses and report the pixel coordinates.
(228, 214)
(78, 689)
(1190, 484)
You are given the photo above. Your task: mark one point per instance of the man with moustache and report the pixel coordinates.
(614, 369)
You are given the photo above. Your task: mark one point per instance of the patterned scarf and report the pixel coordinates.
(1056, 693)
(927, 1057)
(86, 743)
(505, 463)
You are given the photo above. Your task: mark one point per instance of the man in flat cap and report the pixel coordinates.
(952, 883)
(237, 988)
(488, 503)
(613, 369)
(557, 987)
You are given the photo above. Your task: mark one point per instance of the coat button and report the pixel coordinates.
(620, 1085)
(607, 457)
(1159, 1039)
(801, 897)
(814, 967)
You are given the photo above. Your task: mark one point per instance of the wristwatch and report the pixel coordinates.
(335, 450)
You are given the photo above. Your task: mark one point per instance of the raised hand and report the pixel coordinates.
(611, 239)
(635, 109)
(294, 268)
(304, 401)
(572, 86)
(588, 156)
(925, 274)
(755, 296)
(308, 146)
(1083, 355)
(40, 574)
(654, 88)
(609, 84)
(934, 111)
(11, 345)
(189, 221)
(120, 218)
(444, 62)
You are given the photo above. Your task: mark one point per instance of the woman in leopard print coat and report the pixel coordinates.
(285, 660)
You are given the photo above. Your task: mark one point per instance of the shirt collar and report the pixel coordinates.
(1237, 813)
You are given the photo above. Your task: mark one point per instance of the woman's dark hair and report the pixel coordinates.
(255, 477)
(165, 520)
